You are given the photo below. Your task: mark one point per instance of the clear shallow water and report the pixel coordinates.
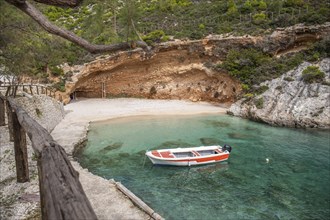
(294, 184)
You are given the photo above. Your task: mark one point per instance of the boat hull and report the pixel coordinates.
(197, 156)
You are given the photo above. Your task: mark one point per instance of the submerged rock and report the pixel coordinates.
(210, 141)
(110, 147)
(291, 103)
(217, 124)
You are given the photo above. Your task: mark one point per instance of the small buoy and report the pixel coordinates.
(267, 160)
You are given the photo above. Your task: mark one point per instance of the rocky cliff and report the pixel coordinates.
(289, 101)
(181, 69)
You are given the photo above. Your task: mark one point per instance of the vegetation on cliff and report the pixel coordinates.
(253, 66)
(26, 49)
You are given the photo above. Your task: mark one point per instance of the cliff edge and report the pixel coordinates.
(290, 101)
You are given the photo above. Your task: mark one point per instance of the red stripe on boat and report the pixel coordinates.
(166, 154)
(156, 153)
(216, 158)
(206, 159)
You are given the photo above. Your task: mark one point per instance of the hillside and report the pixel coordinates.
(27, 49)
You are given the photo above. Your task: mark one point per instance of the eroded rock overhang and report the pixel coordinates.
(181, 69)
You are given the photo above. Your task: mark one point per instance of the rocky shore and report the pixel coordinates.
(289, 101)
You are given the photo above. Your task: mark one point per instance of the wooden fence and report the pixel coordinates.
(61, 193)
(33, 89)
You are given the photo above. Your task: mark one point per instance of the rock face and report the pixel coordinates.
(45, 110)
(289, 101)
(181, 69)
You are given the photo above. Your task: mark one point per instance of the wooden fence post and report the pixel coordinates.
(2, 112)
(10, 124)
(8, 90)
(31, 90)
(21, 159)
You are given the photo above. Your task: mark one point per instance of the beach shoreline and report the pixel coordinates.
(72, 130)
(107, 201)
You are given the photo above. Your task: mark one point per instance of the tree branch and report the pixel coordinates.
(70, 3)
(36, 15)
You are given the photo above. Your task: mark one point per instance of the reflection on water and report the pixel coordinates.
(272, 173)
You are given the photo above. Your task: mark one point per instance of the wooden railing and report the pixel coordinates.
(32, 89)
(61, 193)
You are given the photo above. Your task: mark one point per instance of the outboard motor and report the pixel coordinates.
(226, 147)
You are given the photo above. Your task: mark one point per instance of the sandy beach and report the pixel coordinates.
(107, 201)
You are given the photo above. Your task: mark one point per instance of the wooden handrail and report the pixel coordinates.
(13, 89)
(61, 193)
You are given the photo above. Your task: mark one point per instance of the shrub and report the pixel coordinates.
(312, 74)
(56, 71)
(248, 95)
(242, 65)
(153, 91)
(201, 26)
(259, 18)
(60, 86)
(288, 78)
(262, 89)
(259, 103)
(156, 36)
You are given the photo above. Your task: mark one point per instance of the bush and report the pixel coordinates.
(259, 103)
(156, 36)
(312, 74)
(259, 18)
(56, 71)
(60, 86)
(288, 78)
(242, 65)
(262, 89)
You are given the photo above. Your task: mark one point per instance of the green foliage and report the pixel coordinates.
(293, 3)
(248, 95)
(38, 112)
(262, 5)
(59, 86)
(245, 87)
(289, 79)
(261, 89)
(156, 36)
(201, 26)
(27, 48)
(247, 7)
(259, 18)
(242, 64)
(232, 8)
(312, 74)
(252, 67)
(56, 71)
(259, 103)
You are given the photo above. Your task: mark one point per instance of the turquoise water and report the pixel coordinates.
(294, 184)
